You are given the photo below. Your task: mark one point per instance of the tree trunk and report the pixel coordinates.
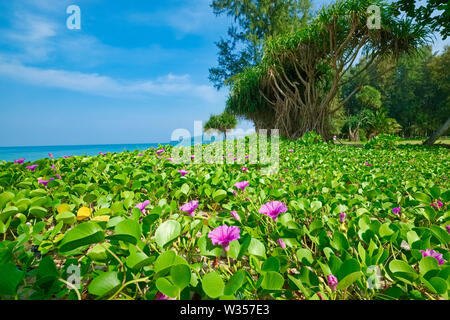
(431, 140)
(353, 135)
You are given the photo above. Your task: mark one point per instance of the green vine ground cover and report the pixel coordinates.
(359, 224)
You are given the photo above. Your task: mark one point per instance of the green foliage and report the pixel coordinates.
(223, 122)
(253, 23)
(295, 94)
(383, 141)
(121, 252)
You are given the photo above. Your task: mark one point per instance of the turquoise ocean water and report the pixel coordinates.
(35, 153)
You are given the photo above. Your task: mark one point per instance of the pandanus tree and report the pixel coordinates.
(299, 77)
(222, 123)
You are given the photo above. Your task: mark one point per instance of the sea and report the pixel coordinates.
(35, 153)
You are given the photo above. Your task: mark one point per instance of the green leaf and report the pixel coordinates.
(5, 197)
(10, 278)
(167, 288)
(66, 217)
(235, 282)
(84, 234)
(138, 260)
(441, 234)
(219, 195)
(181, 275)
(167, 232)
(272, 281)
(7, 213)
(105, 283)
(348, 280)
(428, 267)
(257, 248)
(271, 264)
(185, 188)
(339, 241)
(305, 256)
(165, 260)
(213, 285)
(422, 197)
(127, 230)
(402, 271)
(38, 212)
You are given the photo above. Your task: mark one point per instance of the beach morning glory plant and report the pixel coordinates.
(273, 209)
(223, 235)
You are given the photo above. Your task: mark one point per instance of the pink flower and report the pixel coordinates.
(53, 167)
(332, 281)
(234, 192)
(19, 161)
(434, 254)
(32, 168)
(242, 185)
(67, 157)
(244, 169)
(291, 150)
(190, 207)
(140, 155)
(192, 157)
(44, 182)
(50, 155)
(102, 154)
(235, 215)
(183, 172)
(368, 164)
(281, 243)
(141, 206)
(223, 235)
(170, 159)
(438, 204)
(58, 176)
(273, 209)
(246, 157)
(160, 151)
(342, 216)
(448, 228)
(162, 296)
(396, 210)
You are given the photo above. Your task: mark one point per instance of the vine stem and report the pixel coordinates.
(72, 287)
(126, 284)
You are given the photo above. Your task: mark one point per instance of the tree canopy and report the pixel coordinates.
(295, 85)
(254, 22)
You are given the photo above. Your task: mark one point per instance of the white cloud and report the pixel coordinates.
(96, 84)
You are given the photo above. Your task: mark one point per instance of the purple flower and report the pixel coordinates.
(281, 243)
(44, 182)
(141, 206)
(244, 169)
(438, 204)
(291, 150)
(396, 210)
(53, 168)
(434, 254)
(242, 185)
(273, 209)
(67, 157)
(32, 168)
(235, 215)
(50, 155)
(58, 176)
(102, 154)
(183, 172)
(368, 164)
(192, 157)
(223, 235)
(19, 161)
(190, 207)
(342, 216)
(170, 159)
(140, 155)
(332, 281)
(160, 151)
(448, 228)
(162, 296)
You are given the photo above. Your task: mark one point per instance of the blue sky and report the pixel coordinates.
(136, 71)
